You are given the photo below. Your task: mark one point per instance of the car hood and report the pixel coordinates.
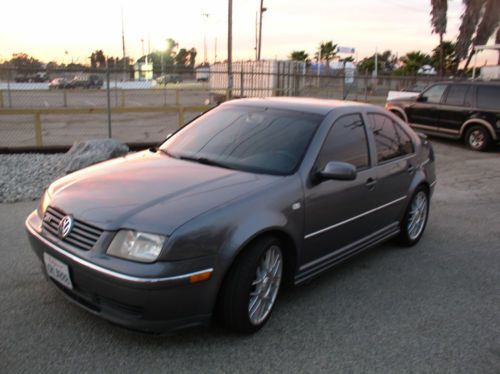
(150, 192)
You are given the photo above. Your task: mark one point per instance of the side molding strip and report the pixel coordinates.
(353, 218)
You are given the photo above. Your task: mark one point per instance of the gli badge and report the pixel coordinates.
(65, 226)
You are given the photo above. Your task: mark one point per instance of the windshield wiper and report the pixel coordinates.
(205, 161)
(164, 151)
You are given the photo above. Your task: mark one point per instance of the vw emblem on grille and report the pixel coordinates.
(65, 226)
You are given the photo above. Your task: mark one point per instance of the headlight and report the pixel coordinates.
(136, 246)
(44, 203)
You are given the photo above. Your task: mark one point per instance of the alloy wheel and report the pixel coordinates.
(476, 139)
(266, 285)
(417, 216)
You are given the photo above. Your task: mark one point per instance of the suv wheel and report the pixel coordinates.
(478, 138)
(250, 290)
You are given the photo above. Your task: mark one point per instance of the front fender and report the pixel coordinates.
(225, 230)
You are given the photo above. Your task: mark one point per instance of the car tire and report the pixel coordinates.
(478, 138)
(251, 287)
(415, 219)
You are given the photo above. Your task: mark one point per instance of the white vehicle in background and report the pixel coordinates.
(203, 74)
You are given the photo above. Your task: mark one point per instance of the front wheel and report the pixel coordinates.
(415, 219)
(478, 138)
(250, 290)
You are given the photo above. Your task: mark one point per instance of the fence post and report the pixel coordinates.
(65, 99)
(164, 96)
(181, 116)
(9, 95)
(38, 130)
(116, 94)
(123, 98)
(108, 95)
(177, 97)
(241, 81)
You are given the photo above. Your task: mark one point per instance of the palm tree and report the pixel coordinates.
(327, 52)
(299, 56)
(438, 21)
(413, 61)
(470, 19)
(447, 48)
(481, 17)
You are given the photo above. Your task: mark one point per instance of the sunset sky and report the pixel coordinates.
(47, 29)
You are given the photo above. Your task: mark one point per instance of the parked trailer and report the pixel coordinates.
(257, 79)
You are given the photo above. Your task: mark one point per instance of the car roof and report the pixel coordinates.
(299, 104)
(475, 82)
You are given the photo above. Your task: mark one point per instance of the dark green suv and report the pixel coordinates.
(458, 110)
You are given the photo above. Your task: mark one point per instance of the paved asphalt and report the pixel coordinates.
(433, 308)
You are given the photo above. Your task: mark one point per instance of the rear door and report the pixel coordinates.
(457, 107)
(423, 113)
(331, 206)
(394, 168)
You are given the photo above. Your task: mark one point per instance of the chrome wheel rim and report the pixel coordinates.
(417, 216)
(265, 285)
(476, 139)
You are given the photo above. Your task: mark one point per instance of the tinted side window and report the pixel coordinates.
(488, 97)
(346, 142)
(456, 95)
(390, 139)
(434, 94)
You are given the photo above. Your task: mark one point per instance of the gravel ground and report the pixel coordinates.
(23, 176)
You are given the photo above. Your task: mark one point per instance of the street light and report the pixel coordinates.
(261, 11)
(205, 18)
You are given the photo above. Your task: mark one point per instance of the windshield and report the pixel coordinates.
(248, 139)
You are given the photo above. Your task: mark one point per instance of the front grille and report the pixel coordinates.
(82, 235)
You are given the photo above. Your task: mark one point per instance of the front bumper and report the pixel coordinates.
(155, 304)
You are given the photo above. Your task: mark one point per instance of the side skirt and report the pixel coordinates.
(316, 267)
(436, 131)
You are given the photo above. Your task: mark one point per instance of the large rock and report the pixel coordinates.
(89, 152)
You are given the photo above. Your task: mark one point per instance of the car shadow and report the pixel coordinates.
(291, 299)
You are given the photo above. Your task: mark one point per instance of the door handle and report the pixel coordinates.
(370, 183)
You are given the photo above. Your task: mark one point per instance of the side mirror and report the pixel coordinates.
(422, 99)
(338, 170)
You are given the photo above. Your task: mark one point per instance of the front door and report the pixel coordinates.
(423, 114)
(332, 206)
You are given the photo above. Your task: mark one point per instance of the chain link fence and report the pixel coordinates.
(57, 108)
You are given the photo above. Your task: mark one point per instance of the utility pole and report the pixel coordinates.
(261, 10)
(229, 49)
(256, 34)
(215, 50)
(205, 57)
(123, 48)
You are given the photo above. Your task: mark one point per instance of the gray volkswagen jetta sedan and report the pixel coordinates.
(247, 198)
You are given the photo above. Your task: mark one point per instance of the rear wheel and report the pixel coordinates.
(415, 219)
(250, 290)
(478, 138)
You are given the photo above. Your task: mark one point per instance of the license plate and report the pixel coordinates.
(57, 270)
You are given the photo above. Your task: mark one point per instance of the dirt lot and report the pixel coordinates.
(18, 130)
(433, 308)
